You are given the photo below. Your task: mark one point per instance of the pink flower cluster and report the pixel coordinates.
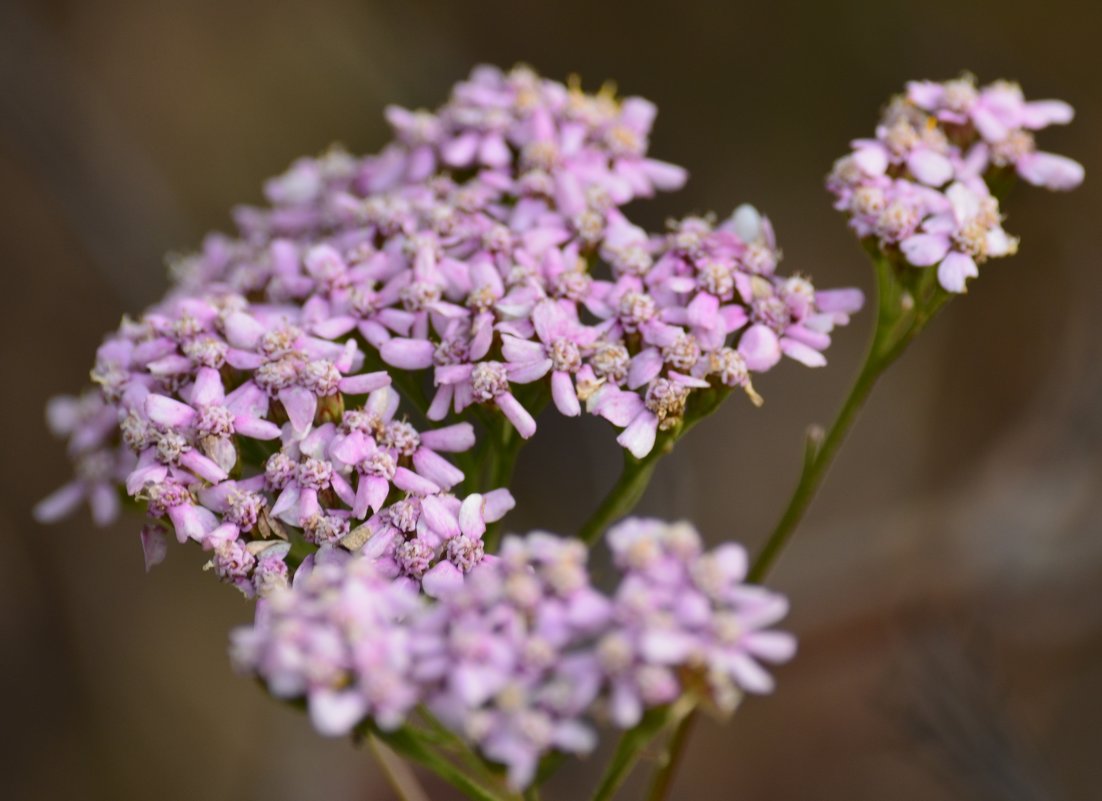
(526, 656)
(481, 262)
(920, 189)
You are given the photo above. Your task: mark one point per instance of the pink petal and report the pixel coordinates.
(518, 350)
(564, 395)
(1051, 171)
(549, 319)
(644, 366)
(168, 412)
(749, 674)
(665, 176)
(243, 331)
(990, 127)
(840, 300)
(452, 373)
(438, 517)
(640, 434)
(522, 421)
(929, 167)
(496, 504)
(471, 521)
(406, 479)
(494, 151)
(286, 501)
(1041, 113)
(365, 382)
(450, 439)
(759, 347)
(923, 250)
(301, 405)
(192, 522)
(208, 389)
(703, 311)
(248, 399)
(342, 488)
(202, 466)
(772, 646)
(460, 152)
(616, 405)
(335, 712)
(802, 353)
(59, 503)
(955, 270)
(371, 493)
(243, 359)
(872, 158)
(529, 372)
(408, 354)
(436, 468)
(154, 546)
(925, 94)
(441, 580)
(438, 409)
(254, 428)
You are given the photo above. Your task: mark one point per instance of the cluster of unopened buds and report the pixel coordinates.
(329, 403)
(922, 188)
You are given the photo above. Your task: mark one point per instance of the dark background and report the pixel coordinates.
(946, 585)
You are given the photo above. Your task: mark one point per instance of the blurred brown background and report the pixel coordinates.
(947, 586)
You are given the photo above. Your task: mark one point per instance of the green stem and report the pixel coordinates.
(440, 735)
(907, 299)
(637, 473)
(621, 499)
(818, 458)
(407, 743)
(634, 741)
(667, 768)
(501, 461)
(397, 772)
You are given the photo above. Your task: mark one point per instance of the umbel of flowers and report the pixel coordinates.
(323, 377)
(330, 403)
(525, 656)
(922, 188)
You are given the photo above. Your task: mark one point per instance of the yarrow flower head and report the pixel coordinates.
(527, 657)
(921, 190)
(330, 401)
(479, 265)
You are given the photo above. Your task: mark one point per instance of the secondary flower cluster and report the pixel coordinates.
(526, 656)
(921, 188)
(487, 244)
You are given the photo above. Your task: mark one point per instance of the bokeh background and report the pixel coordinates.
(947, 585)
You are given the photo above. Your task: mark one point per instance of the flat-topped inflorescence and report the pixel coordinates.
(526, 657)
(923, 190)
(478, 266)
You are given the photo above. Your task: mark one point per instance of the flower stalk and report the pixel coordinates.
(636, 473)
(906, 302)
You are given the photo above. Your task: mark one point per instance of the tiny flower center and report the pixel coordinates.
(667, 400)
(321, 377)
(171, 446)
(314, 473)
(379, 463)
(636, 308)
(488, 380)
(683, 353)
(564, 355)
(214, 421)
